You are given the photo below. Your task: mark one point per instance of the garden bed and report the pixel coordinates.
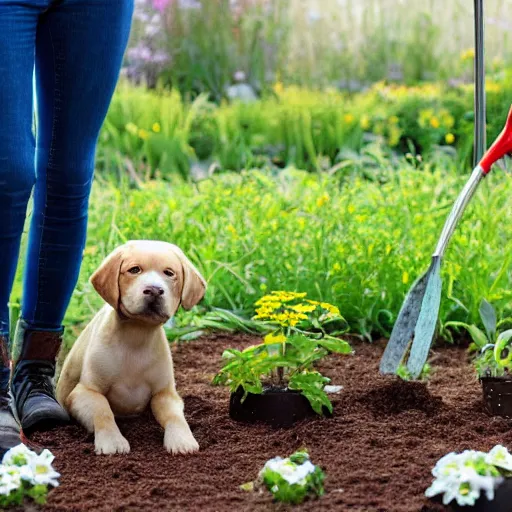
(377, 450)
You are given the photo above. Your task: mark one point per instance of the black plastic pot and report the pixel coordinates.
(497, 393)
(275, 406)
(502, 501)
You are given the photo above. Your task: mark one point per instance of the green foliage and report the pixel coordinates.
(404, 373)
(311, 384)
(259, 364)
(161, 134)
(494, 358)
(352, 243)
(38, 493)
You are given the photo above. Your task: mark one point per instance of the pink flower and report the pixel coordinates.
(161, 5)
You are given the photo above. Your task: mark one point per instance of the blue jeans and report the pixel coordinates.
(76, 49)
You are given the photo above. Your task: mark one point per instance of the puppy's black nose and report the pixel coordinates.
(154, 291)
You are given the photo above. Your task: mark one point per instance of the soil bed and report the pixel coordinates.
(377, 450)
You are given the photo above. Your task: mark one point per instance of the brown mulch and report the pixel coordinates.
(377, 450)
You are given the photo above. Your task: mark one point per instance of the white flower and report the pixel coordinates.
(289, 471)
(499, 456)
(18, 456)
(457, 479)
(9, 479)
(42, 469)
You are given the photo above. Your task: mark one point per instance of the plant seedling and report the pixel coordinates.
(293, 479)
(495, 349)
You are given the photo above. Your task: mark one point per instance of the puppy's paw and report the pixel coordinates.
(108, 442)
(179, 439)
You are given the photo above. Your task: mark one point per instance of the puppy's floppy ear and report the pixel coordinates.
(194, 284)
(106, 278)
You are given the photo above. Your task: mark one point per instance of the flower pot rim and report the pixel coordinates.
(505, 378)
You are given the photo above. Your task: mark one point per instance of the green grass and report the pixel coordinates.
(350, 242)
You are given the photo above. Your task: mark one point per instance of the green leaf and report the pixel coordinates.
(311, 385)
(230, 353)
(335, 345)
(477, 335)
(488, 316)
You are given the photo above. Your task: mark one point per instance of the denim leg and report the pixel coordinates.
(79, 50)
(17, 174)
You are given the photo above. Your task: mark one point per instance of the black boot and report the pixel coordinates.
(9, 427)
(34, 355)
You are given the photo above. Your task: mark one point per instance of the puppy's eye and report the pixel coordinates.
(169, 273)
(135, 270)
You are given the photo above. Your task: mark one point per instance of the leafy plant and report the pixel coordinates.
(404, 373)
(25, 474)
(494, 349)
(343, 241)
(463, 476)
(286, 356)
(293, 479)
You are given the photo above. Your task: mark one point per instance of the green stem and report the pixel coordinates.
(280, 370)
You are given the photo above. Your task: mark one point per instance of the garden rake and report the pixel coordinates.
(417, 318)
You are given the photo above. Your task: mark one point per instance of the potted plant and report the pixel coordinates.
(494, 361)
(474, 479)
(275, 381)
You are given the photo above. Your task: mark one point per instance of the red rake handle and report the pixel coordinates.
(500, 147)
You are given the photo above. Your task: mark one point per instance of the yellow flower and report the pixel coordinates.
(336, 267)
(365, 122)
(491, 86)
(156, 127)
(468, 54)
(329, 307)
(405, 277)
(232, 229)
(351, 208)
(388, 249)
(283, 296)
(143, 134)
(449, 138)
(278, 88)
(302, 308)
(324, 198)
(434, 122)
(274, 338)
(348, 118)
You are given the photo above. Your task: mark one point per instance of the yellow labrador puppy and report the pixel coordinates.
(122, 362)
